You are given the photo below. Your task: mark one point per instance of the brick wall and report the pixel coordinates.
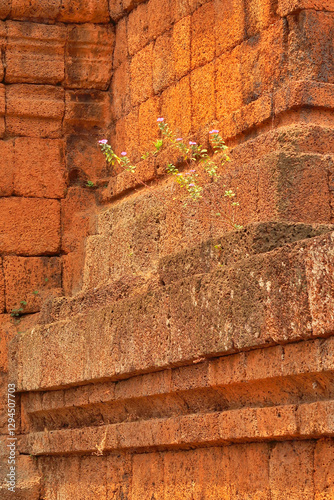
(158, 355)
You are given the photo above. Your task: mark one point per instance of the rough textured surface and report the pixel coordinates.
(157, 354)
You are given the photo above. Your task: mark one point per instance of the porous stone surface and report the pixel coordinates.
(157, 354)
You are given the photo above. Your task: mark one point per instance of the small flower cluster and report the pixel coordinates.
(193, 155)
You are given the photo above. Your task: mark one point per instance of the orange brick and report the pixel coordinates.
(291, 470)
(7, 333)
(121, 90)
(88, 58)
(6, 168)
(137, 29)
(159, 17)
(229, 24)
(252, 479)
(127, 135)
(121, 43)
(73, 264)
(176, 107)
(26, 275)
(119, 472)
(148, 476)
(5, 8)
(202, 35)
(84, 160)
(2, 109)
(115, 9)
(286, 7)
(88, 11)
(39, 168)
(324, 469)
(262, 62)
(36, 9)
(163, 65)
(141, 75)
(3, 42)
(148, 129)
(181, 47)
(203, 96)
(35, 53)
(259, 15)
(29, 226)
(76, 213)
(229, 84)
(86, 110)
(34, 110)
(310, 54)
(2, 288)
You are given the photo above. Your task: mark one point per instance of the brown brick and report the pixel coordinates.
(202, 35)
(35, 53)
(121, 43)
(148, 127)
(6, 168)
(34, 110)
(26, 275)
(202, 93)
(291, 470)
(86, 111)
(120, 86)
(181, 46)
(141, 75)
(29, 226)
(119, 472)
(229, 24)
(159, 17)
(3, 42)
(88, 58)
(39, 168)
(163, 64)
(137, 29)
(176, 107)
(84, 11)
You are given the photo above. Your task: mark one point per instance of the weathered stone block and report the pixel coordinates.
(203, 40)
(141, 75)
(6, 168)
(35, 53)
(31, 280)
(29, 226)
(39, 169)
(34, 110)
(88, 58)
(86, 111)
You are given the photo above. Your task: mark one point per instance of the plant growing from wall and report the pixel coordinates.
(194, 160)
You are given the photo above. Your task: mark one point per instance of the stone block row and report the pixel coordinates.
(49, 111)
(278, 297)
(75, 56)
(68, 11)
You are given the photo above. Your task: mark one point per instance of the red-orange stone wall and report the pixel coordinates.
(155, 353)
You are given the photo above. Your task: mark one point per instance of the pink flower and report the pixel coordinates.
(160, 119)
(192, 171)
(214, 131)
(191, 185)
(178, 174)
(179, 139)
(103, 141)
(192, 143)
(123, 153)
